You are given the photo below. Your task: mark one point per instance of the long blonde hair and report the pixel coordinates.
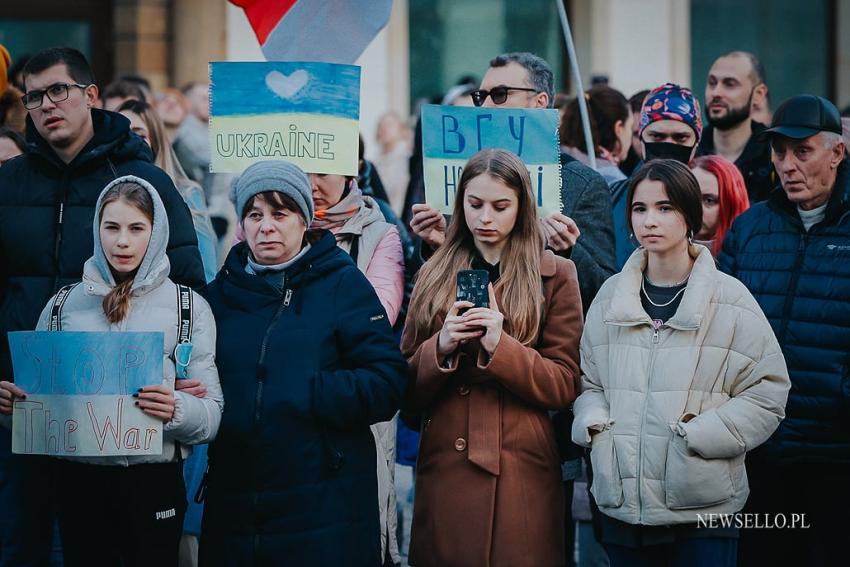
(519, 283)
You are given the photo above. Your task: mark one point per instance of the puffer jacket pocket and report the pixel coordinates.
(607, 487)
(694, 482)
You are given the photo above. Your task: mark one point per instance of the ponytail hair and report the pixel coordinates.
(116, 304)
(605, 107)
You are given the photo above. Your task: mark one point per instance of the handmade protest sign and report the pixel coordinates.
(306, 113)
(79, 393)
(453, 134)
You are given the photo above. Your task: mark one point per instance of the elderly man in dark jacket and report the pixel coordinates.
(47, 204)
(793, 253)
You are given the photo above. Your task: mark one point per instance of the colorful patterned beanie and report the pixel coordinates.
(671, 102)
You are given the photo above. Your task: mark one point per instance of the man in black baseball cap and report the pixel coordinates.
(793, 253)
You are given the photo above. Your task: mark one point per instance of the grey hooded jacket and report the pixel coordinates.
(153, 307)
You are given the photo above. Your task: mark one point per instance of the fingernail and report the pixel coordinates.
(137, 404)
(136, 395)
(140, 389)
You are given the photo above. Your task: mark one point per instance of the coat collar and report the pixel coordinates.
(626, 309)
(547, 264)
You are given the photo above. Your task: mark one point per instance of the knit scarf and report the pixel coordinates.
(334, 218)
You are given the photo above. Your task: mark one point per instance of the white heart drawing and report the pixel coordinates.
(287, 86)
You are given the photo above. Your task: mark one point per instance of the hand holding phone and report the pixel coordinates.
(472, 287)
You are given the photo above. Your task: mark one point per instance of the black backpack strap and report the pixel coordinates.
(184, 321)
(55, 323)
(184, 334)
(354, 251)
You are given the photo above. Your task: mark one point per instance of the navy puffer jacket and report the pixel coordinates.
(46, 213)
(802, 282)
(305, 370)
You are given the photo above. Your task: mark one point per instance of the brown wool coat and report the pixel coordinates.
(488, 486)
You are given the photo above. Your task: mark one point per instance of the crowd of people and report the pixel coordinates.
(652, 369)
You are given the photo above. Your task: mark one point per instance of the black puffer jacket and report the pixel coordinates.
(46, 213)
(801, 280)
(305, 370)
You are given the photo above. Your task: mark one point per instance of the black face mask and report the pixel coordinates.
(667, 150)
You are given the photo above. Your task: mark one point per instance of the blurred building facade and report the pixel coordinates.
(430, 44)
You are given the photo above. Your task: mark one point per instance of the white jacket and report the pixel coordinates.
(153, 307)
(678, 408)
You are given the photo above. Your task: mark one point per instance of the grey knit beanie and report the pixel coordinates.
(281, 176)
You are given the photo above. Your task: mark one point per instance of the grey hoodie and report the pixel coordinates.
(153, 307)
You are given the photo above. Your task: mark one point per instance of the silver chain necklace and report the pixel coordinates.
(649, 299)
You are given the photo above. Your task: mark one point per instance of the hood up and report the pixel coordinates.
(154, 267)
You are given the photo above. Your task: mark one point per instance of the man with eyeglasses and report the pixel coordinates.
(47, 205)
(735, 82)
(583, 231)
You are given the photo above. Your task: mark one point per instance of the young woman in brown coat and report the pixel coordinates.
(488, 486)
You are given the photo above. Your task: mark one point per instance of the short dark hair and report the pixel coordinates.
(757, 75)
(605, 107)
(275, 199)
(138, 80)
(539, 72)
(123, 88)
(680, 185)
(16, 138)
(636, 102)
(76, 63)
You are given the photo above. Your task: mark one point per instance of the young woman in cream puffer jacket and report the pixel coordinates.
(670, 408)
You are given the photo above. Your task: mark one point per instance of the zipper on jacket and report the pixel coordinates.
(792, 288)
(261, 370)
(60, 219)
(652, 354)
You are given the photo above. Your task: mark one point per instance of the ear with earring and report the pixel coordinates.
(690, 236)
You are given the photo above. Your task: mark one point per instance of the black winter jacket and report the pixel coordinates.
(801, 280)
(304, 370)
(46, 213)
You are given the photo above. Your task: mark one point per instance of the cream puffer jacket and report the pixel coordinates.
(153, 307)
(677, 408)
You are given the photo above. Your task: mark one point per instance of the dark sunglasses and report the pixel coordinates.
(498, 94)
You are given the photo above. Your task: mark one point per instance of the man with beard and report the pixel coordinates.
(735, 80)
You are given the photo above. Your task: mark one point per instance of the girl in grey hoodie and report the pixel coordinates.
(129, 509)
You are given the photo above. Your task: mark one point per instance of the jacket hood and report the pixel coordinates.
(626, 308)
(323, 257)
(112, 138)
(155, 266)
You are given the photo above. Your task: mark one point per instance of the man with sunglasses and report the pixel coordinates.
(47, 205)
(583, 231)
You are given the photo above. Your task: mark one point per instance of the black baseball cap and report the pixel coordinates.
(802, 116)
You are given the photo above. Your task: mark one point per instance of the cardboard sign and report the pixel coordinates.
(306, 113)
(79, 393)
(453, 134)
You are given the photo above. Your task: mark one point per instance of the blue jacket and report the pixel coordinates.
(801, 280)
(305, 370)
(623, 243)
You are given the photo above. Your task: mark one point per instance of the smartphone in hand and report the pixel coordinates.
(472, 287)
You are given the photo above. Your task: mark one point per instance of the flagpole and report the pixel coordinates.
(582, 103)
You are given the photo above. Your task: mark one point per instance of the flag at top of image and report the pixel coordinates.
(333, 31)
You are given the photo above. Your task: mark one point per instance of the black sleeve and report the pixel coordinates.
(593, 253)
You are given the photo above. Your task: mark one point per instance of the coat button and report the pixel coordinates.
(463, 390)
(460, 444)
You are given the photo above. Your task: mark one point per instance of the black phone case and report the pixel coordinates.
(472, 287)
